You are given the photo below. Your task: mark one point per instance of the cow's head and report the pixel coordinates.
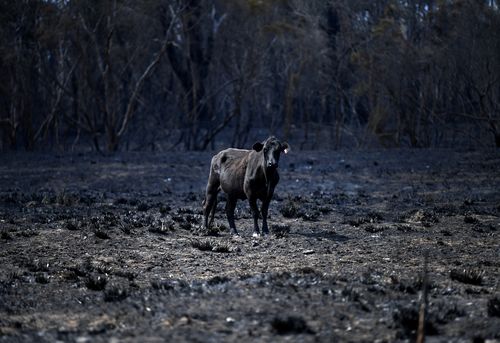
(271, 148)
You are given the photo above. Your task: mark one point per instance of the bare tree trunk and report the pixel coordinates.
(191, 65)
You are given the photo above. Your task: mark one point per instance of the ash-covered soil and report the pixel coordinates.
(109, 249)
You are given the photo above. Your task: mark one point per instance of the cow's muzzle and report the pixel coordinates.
(272, 165)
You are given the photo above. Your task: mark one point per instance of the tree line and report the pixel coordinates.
(164, 74)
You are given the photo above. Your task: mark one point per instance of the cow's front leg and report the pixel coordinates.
(264, 210)
(255, 214)
(230, 206)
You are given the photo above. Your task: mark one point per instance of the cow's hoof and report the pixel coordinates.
(256, 235)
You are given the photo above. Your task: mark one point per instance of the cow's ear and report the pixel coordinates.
(285, 147)
(258, 146)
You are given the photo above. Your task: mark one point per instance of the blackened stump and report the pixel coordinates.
(244, 174)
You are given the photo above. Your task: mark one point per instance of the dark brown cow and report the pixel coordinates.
(244, 174)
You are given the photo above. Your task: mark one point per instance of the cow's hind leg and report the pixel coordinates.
(212, 214)
(210, 200)
(209, 208)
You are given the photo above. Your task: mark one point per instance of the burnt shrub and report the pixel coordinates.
(101, 233)
(468, 219)
(425, 217)
(142, 207)
(72, 226)
(209, 245)
(406, 318)
(185, 210)
(308, 271)
(81, 269)
(115, 293)
(169, 284)
(290, 209)
(222, 248)
(187, 221)
(42, 278)
(203, 245)
(5, 235)
(162, 227)
(310, 214)
(494, 307)
(96, 282)
(406, 286)
(120, 201)
(280, 230)
(217, 280)
(467, 275)
(126, 274)
(215, 229)
(101, 267)
(164, 209)
(300, 208)
(27, 232)
(38, 266)
(290, 325)
(370, 217)
(374, 228)
(67, 199)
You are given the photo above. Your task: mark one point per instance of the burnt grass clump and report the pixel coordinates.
(101, 233)
(469, 219)
(467, 275)
(300, 207)
(72, 226)
(96, 282)
(406, 318)
(494, 307)
(169, 284)
(369, 218)
(290, 325)
(187, 220)
(280, 230)
(100, 250)
(162, 227)
(210, 245)
(42, 278)
(202, 245)
(375, 228)
(425, 217)
(115, 292)
(291, 209)
(37, 265)
(5, 235)
(439, 313)
(217, 280)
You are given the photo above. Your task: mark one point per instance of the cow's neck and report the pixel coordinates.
(268, 174)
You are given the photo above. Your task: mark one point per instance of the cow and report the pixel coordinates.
(244, 174)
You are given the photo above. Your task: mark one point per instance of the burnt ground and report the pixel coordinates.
(110, 249)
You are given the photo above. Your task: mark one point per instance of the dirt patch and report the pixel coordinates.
(101, 248)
